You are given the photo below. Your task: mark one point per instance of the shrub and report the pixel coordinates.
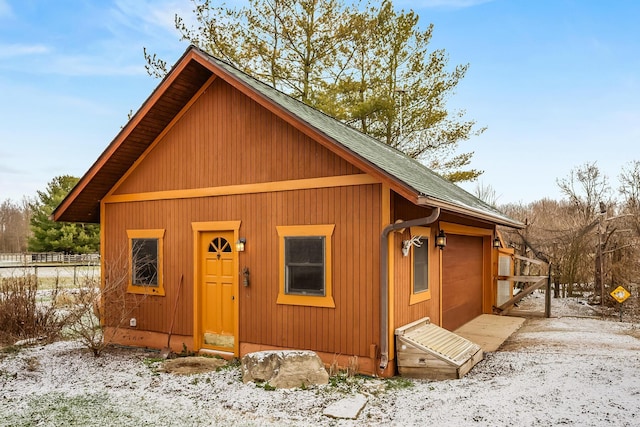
(27, 313)
(90, 318)
(86, 325)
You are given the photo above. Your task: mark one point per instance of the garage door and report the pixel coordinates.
(461, 280)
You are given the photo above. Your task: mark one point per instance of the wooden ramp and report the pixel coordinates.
(490, 331)
(431, 352)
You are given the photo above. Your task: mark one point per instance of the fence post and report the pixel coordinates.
(547, 296)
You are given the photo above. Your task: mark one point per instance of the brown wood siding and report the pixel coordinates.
(405, 210)
(404, 313)
(350, 328)
(462, 280)
(227, 139)
(152, 313)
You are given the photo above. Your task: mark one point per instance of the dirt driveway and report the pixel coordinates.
(573, 337)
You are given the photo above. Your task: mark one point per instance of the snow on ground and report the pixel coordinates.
(566, 370)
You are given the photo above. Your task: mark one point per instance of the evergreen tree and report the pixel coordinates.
(50, 236)
(370, 68)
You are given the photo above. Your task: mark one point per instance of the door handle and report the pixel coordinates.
(233, 297)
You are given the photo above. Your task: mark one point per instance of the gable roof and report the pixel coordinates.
(405, 175)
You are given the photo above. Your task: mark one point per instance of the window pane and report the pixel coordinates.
(219, 244)
(421, 267)
(307, 280)
(305, 249)
(144, 262)
(304, 265)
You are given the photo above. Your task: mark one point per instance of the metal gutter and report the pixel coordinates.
(384, 278)
(476, 213)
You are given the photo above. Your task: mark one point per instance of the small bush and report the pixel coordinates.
(26, 313)
(86, 326)
(101, 310)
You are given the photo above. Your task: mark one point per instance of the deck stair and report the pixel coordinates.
(425, 350)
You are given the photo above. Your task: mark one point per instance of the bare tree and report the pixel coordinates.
(630, 185)
(100, 311)
(14, 226)
(486, 193)
(592, 241)
(586, 188)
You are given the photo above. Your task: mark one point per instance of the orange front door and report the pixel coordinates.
(217, 291)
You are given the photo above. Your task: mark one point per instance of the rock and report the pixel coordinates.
(30, 341)
(284, 368)
(348, 408)
(191, 365)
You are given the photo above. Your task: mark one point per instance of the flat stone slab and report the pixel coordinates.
(191, 365)
(348, 408)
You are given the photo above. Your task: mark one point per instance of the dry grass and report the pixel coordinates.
(26, 312)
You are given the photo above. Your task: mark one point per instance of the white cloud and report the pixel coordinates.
(12, 50)
(148, 17)
(39, 59)
(89, 65)
(130, 26)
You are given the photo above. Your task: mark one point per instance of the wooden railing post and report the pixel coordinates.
(547, 297)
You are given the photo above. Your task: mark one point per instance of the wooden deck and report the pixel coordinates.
(490, 331)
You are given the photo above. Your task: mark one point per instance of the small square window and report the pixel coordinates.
(144, 262)
(305, 265)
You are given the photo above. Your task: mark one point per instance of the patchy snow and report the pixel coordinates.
(565, 370)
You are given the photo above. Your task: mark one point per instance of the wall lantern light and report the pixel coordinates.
(240, 244)
(441, 240)
(496, 243)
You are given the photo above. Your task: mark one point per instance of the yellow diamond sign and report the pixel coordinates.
(620, 294)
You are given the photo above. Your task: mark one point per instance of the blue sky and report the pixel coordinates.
(556, 82)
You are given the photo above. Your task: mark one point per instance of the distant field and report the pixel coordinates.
(65, 275)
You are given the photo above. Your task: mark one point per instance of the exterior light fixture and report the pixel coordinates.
(240, 244)
(496, 243)
(441, 240)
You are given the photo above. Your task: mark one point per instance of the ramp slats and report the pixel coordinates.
(438, 342)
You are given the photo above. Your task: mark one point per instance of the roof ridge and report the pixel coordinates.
(380, 144)
(377, 141)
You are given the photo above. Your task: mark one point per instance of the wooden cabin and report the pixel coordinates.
(235, 218)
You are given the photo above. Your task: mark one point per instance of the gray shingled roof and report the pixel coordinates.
(408, 171)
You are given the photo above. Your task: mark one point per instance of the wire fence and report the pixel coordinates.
(30, 258)
(51, 268)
